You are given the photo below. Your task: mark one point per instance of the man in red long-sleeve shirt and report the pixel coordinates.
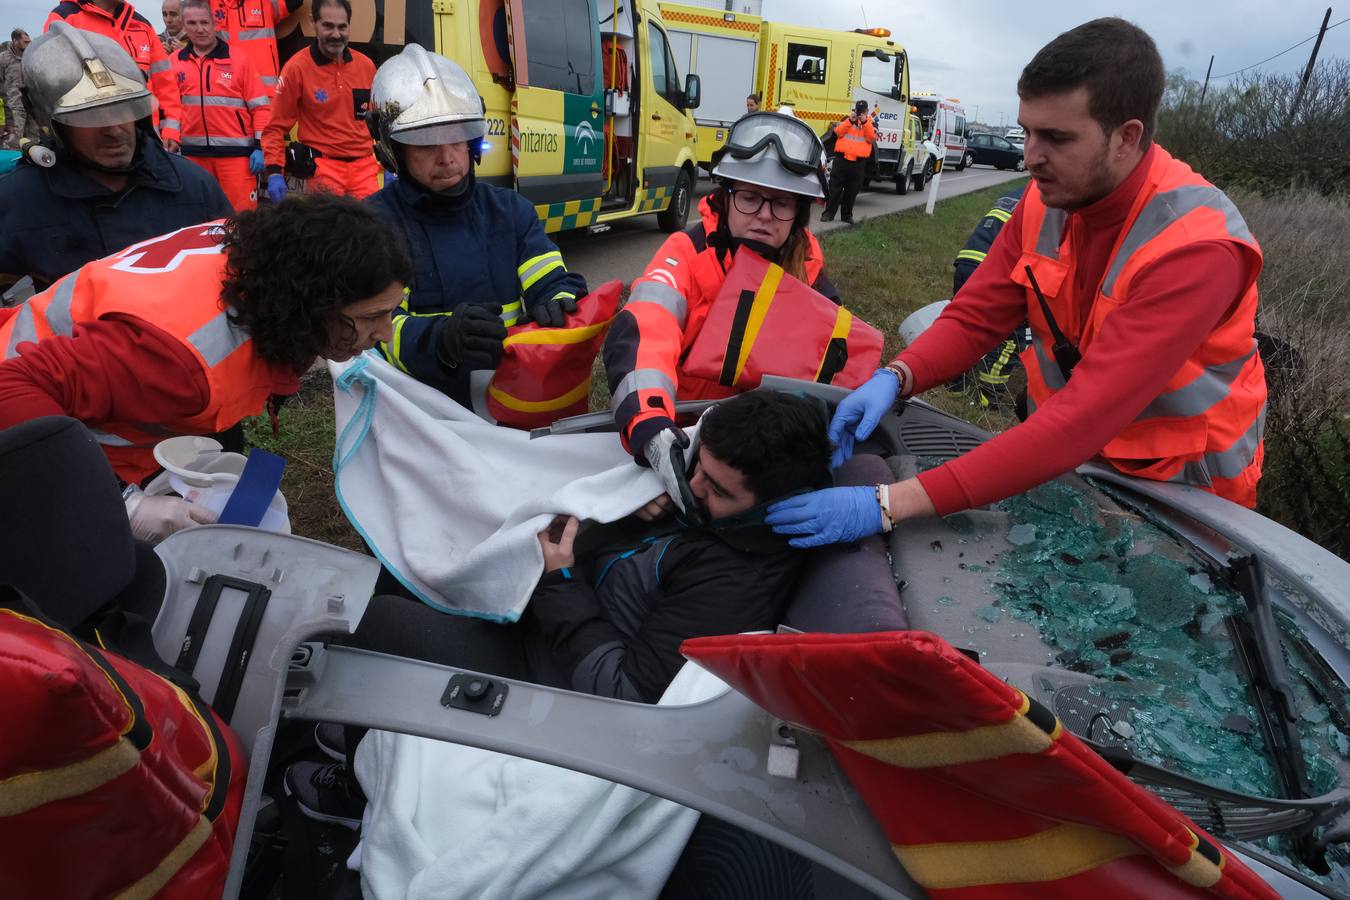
(1138, 279)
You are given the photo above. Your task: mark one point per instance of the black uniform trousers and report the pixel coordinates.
(846, 178)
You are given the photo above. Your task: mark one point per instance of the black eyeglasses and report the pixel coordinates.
(784, 209)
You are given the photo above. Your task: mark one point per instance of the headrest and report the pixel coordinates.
(68, 545)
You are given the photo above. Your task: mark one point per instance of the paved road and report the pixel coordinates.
(624, 250)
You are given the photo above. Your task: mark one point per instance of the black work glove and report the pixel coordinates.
(471, 337)
(551, 313)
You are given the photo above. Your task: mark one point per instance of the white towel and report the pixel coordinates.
(446, 822)
(452, 504)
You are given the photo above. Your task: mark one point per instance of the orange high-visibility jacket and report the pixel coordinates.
(854, 142)
(225, 104)
(665, 311)
(328, 99)
(173, 282)
(1205, 428)
(134, 32)
(251, 26)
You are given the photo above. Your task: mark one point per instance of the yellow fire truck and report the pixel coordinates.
(820, 73)
(587, 114)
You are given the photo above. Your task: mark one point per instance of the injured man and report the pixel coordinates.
(616, 600)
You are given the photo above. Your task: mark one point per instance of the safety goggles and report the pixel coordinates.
(799, 150)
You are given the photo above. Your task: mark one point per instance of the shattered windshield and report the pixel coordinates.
(1145, 625)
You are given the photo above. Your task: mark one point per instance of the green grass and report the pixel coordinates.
(885, 269)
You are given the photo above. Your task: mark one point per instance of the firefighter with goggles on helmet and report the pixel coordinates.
(482, 259)
(769, 173)
(99, 180)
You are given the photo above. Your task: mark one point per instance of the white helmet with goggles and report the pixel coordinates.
(776, 151)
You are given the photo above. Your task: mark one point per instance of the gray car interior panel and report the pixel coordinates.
(312, 590)
(710, 756)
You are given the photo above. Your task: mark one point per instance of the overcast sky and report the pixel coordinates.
(975, 49)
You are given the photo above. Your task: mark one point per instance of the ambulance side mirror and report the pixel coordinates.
(693, 92)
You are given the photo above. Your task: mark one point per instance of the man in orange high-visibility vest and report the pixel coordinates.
(853, 140)
(1138, 278)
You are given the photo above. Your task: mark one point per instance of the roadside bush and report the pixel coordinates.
(1305, 302)
(1244, 135)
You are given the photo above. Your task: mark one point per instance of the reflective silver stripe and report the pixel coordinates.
(1052, 232)
(542, 264)
(110, 440)
(277, 14)
(270, 80)
(24, 330)
(210, 100)
(58, 311)
(1228, 463)
(256, 102)
(1162, 211)
(168, 125)
(190, 143)
(218, 338)
(156, 67)
(1201, 394)
(256, 34)
(664, 296)
(1050, 373)
(640, 380)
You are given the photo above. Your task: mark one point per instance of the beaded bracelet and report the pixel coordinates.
(884, 501)
(902, 376)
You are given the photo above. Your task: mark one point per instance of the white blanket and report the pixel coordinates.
(447, 822)
(452, 504)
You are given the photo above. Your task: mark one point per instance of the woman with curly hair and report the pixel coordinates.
(192, 331)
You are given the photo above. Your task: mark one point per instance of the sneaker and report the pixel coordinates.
(325, 793)
(331, 738)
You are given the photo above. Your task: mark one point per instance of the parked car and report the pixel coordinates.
(1016, 136)
(995, 151)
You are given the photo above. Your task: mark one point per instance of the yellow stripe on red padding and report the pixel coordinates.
(954, 748)
(759, 311)
(1058, 852)
(20, 793)
(855, 688)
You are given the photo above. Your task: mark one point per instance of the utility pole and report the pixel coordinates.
(1203, 90)
(1307, 73)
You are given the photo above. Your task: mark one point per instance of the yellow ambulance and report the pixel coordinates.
(587, 113)
(819, 73)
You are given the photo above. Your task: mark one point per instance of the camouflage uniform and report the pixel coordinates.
(19, 121)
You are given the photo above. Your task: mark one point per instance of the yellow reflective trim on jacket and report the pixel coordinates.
(535, 268)
(975, 256)
(1058, 852)
(759, 310)
(558, 335)
(999, 213)
(843, 321)
(539, 406)
(394, 348)
(511, 312)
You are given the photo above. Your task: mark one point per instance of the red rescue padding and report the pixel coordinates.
(545, 373)
(765, 322)
(112, 779)
(982, 793)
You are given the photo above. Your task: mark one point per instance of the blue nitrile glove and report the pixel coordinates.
(255, 161)
(859, 413)
(837, 515)
(276, 188)
(389, 177)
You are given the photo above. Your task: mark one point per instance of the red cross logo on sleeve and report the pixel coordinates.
(167, 252)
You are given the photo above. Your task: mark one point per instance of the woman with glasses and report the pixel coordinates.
(769, 173)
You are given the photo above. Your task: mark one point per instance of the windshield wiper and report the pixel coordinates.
(1256, 639)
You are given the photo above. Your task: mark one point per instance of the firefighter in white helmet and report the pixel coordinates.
(482, 259)
(109, 183)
